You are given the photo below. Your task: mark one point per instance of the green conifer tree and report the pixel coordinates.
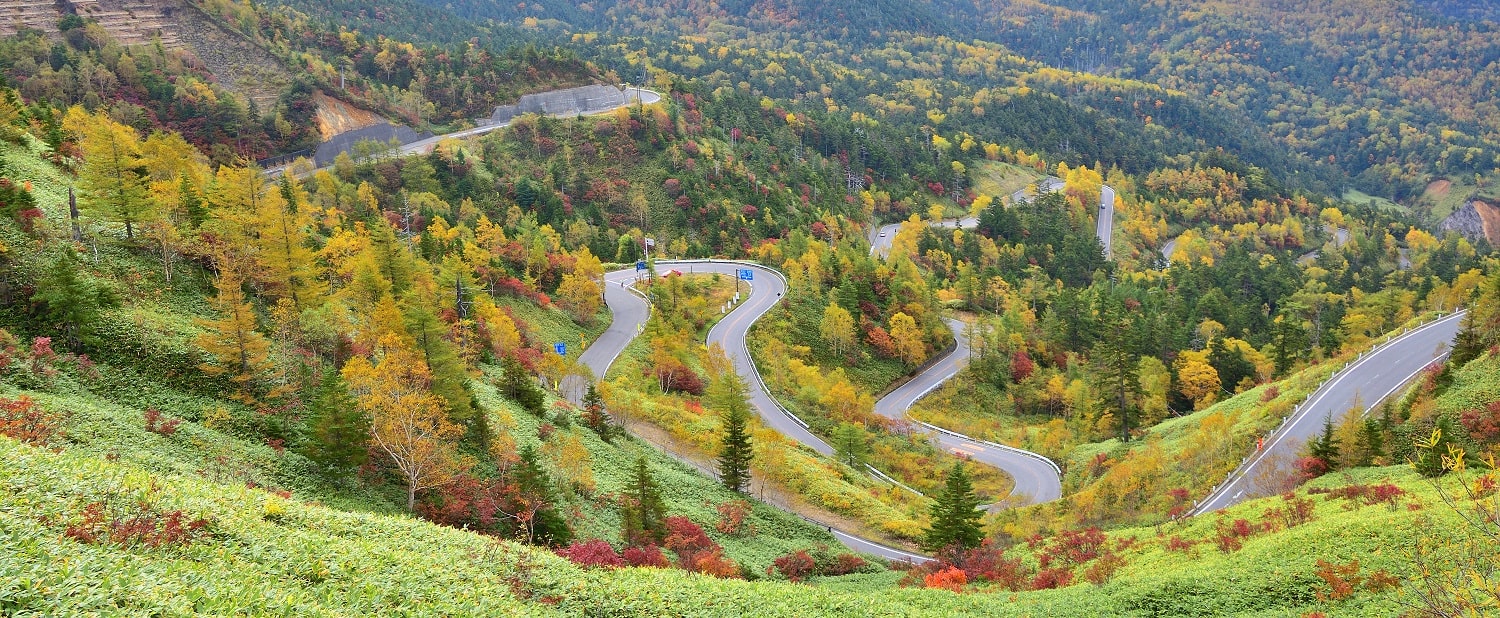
(955, 514)
(735, 452)
(338, 439)
(643, 513)
(541, 523)
(517, 384)
(70, 299)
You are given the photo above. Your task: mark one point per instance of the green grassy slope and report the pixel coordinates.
(263, 554)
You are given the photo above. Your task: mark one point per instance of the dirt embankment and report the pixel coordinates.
(335, 116)
(1489, 215)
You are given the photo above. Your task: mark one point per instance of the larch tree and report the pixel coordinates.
(113, 181)
(408, 423)
(955, 514)
(837, 329)
(287, 261)
(238, 349)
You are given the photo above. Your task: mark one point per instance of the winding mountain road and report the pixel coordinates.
(882, 237)
(1037, 478)
(1367, 381)
(631, 312)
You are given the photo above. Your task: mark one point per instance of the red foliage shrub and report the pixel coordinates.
(26, 420)
(645, 556)
(951, 578)
(713, 563)
(1021, 366)
(685, 538)
(1269, 394)
(145, 528)
(1311, 467)
(845, 564)
(988, 563)
(1103, 568)
(680, 379)
(882, 342)
(1047, 579)
(1368, 495)
(794, 566)
(1229, 536)
(157, 424)
(1179, 544)
(1073, 547)
(732, 516)
(593, 553)
(1483, 424)
(1293, 512)
(465, 502)
(544, 431)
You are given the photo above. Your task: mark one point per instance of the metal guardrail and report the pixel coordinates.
(1249, 461)
(1011, 449)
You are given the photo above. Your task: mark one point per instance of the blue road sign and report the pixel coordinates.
(561, 348)
(747, 274)
(640, 265)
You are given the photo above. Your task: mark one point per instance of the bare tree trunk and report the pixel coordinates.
(73, 215)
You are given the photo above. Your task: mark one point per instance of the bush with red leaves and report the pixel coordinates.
(713, 563)
(732, 516)
(1179, 544)
(24, 419)
(1047, 579)
(794, 566)
(680, 380)
(645, 556)
(951, 578)
(592, 554)
(685, 538)
(145, 528)
(1021, 366)
(1483, 424)
(1368, 495)
(466, 502)
(1230, 536)
(158, 424)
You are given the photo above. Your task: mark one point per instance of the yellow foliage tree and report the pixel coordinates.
(908, 338)
(407, 421)
(1196, 379)
(239, 350)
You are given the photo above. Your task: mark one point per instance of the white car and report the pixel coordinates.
(882, 234)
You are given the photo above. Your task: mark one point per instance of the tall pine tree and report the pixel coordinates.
(955, 514)
(735, 452)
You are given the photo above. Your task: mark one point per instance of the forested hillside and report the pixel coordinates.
(1119, 241)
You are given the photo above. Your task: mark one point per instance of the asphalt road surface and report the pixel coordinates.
(1036, 477)
(1376, 375)
(636, 96)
